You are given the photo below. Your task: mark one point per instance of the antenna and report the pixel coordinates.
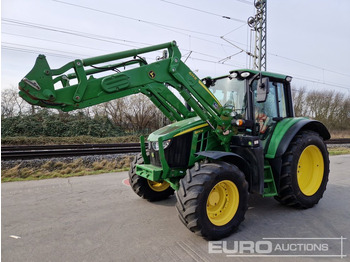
(258, 24)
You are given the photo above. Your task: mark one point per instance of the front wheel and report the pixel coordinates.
(305, 170)
(147, 189)
(212, 199)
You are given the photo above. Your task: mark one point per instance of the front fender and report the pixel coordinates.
(218, 154)
(249, 160)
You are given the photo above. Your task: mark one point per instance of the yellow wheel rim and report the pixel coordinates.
(222, 202)
(158, 186)
(310, 170)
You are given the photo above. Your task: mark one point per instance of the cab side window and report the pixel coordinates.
(281, 100)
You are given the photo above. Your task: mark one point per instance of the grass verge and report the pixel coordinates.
(338, 151)
(54, 169)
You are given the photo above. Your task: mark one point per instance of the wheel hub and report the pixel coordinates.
(310, 170)
(158, 186)
(222, 202)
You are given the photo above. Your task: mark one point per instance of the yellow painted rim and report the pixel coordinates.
(158, 186)
(310, 170)
(222, 203)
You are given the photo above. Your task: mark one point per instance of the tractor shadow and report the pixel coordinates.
(170, 201)
(267, 218)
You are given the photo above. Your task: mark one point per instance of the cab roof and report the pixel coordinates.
(264, 73)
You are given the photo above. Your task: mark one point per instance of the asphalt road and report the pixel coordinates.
(98, 218)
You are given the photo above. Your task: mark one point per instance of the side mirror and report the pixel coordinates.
(262, 89)
(208, 81)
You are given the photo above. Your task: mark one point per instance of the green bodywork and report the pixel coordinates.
(53, 88)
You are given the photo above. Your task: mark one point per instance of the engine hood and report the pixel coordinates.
(177, 129)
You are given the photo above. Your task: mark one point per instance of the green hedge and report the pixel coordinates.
(45, 123)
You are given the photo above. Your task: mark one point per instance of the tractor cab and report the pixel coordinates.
(261, 99)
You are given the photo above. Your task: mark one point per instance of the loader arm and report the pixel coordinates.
(39, 86)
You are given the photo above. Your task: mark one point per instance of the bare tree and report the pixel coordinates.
(299, 97)
(13, 105)
(330, 107)
(116, 109)
(141, 113)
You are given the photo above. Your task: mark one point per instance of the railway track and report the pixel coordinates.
(49, 151)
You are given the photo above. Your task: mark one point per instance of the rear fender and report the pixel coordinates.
(305, 124)
(286, 130)
(275, 153)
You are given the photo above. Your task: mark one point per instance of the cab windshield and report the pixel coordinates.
(231, 93)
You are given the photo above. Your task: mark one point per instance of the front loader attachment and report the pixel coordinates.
(78, 85)
(38, 86)
(53, 88)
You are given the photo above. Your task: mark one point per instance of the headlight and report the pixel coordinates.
(166, 143)
(289, 79)
(155, 145)
(245, 74)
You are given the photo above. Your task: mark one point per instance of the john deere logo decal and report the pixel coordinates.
(152, 74)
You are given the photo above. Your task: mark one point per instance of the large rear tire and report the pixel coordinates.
(147, 189)
(305, 170)
(212, 199)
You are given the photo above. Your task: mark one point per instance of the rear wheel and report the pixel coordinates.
(147, 189)
(305, 170)
(212, 199)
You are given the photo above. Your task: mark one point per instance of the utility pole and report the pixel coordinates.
(258, 24)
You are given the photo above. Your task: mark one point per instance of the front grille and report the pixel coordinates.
(154, 157)
(202, 141)
(177, 154)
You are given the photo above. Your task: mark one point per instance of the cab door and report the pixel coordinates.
(274, 109)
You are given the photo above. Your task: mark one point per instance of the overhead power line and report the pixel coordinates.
(60, 53)
(323, 83)
(53, 53)
(71, 32)
(53, 41)
(88, 36)
(206, 12)
(30, 51)
(134, 19)
(311, 65)
(316, 81)
(245, 2)
(9, 45)
(159, 25)
(100, 37)
(136, 44)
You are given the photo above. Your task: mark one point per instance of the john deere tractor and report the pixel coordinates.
(230, 136)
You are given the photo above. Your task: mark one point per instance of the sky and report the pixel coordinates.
(308, 40)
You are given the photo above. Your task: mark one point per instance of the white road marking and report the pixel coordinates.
(15, 237)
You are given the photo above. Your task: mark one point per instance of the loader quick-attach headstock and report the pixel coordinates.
(40, 85)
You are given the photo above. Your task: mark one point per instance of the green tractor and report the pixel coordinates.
(230, 136)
